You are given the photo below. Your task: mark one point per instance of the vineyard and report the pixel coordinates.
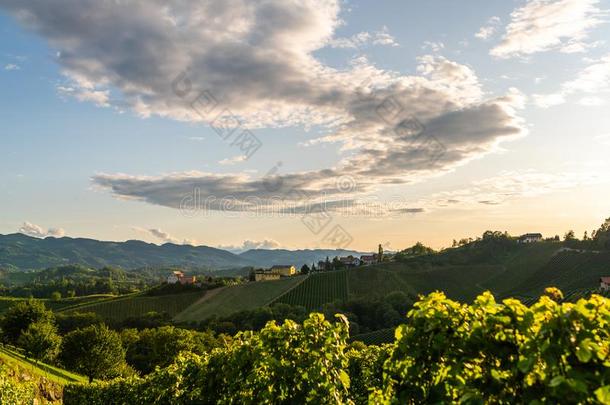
(318, 289)
(237, 298)
(445, 352)
(131, 306)
(377, 337)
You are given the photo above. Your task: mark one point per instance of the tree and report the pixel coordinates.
(569, 235)
(94, 351)
(380, 253)
(40, 341)
(305, 269)
(158, 347)
(19, 316)
(56, 296)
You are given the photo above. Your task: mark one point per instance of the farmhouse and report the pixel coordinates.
(265, 275)
(285, 270)
(604, 283)
(368, 259)
(350, 261)
(180, 277)
(530, 238)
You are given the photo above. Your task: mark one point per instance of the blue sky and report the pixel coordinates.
(95, 144)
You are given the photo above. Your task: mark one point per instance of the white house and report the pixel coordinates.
(530, 238)
(604, 283)
(174, 277)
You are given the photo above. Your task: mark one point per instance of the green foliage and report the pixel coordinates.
(94, 351)
(283, 364)
(447, 352)
(21, 315)
(40, 341)
(500, 353)
(366, 370)
(13, 391)
(159, 347)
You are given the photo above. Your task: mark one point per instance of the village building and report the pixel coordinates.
(285, 270)
(604, 283)
(368, 259)
(180, 277)
(530, 238)
(350, 261)
(265, 275)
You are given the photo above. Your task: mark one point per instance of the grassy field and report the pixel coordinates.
(52, 373)
(238, 298)
(135, 305)
(7, 302)
(318, 289)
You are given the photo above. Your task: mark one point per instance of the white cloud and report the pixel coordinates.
(258, 60)
(164, 236)
(382, 37)
(544, 25)
(509, 186)
(11, 66)
(252, 244)
(36, 231)
(488, 30)
(433, 46)
(233, 160)
(593, 79)
(603, 139)
(592, 101)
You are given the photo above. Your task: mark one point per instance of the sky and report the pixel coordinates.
(303, 124)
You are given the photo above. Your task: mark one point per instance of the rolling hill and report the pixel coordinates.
(22, 252)
(18, 251)
(521, 271)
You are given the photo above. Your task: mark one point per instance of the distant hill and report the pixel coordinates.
(18, 251)
(22, 252)
(270, 257)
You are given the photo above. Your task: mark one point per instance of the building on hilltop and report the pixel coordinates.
(368, 259)
(265, 275)
(350, 261)
(530, 238)
(285, 270)
(604, 283)
(180, 277)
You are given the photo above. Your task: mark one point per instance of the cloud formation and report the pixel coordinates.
(257, 59)
(544, 25)
(594, 79)
(488, 30)
(252, 244)
(382, 37)
(36, 231)
(164, 236)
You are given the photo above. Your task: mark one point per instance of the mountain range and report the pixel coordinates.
(22, 252)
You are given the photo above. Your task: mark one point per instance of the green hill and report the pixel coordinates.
(318, 289)
(65, 303)
(121, 308)
(237, 298)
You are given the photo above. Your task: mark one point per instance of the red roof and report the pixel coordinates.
(605, 280)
